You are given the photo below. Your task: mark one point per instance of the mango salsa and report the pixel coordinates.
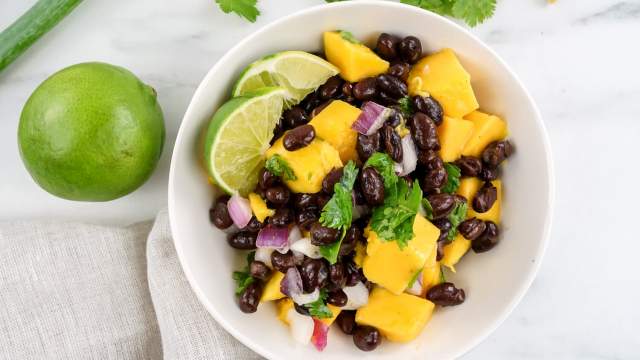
(259, 207)
(454, 134)
(333, 125)
(443, 77)
(310, 164)
(486, 129)
(271, 289)
(392, 268)
(354, 60)
(399, 317)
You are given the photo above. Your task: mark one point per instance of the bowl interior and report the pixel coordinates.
(494, 281)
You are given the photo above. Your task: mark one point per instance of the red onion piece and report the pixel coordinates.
(291, 283)
(357, 295)
(371, 118)
(409, 156)
(273, 237)
(319, 337)
(239, 210)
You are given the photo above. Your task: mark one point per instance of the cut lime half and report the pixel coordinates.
(238, 136)
(298, 72)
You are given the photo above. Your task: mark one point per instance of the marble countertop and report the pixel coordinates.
(579, 62)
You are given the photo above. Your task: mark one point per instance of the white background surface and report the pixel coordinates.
(580, 63)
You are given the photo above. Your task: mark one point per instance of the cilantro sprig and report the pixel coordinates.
(453, 178)
(319, 308)
(243, 278)
(473, 12)
(243, 8)
(406, 106)
(278, 166)
(338, 212)
(456, 216)
(414, 278)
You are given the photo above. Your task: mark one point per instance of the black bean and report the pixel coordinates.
(353, 235)
(250, 297)
(243, 240)
(278, 130)
(306, 218)
(440, 249)
(266, 179)
(372, 186)
(219, 215)
(309, 103)
(282, 218)
(358, 196)
(485, 198)
(302, 310)
(323, 199)
(332, 178)
(346, 321)
(430, 159)
(331, 88)
(472, 228)
(282, 262)
(337, 298)
(386, 46)
(337, 275)
(347, 90)
(410, 49)
(496, 152)
(395, 118)
(446, 294)
(444, 225)
(299, 137)
(399, 70)
(319, 108)
(460, 199)
(314, 273)
(259, 270)
(278, 195)
(434, 180)
(366, 338)
(303, 201)
(294, 117)
(392, 143)
(469, 166)
(424, 132)
(322, 235)
(253, 226)
(367, 145)
(392, 86)
(365, 89)
(441, 204)
(488, 173)
(353, 275)
(430, 107)
(488, 239)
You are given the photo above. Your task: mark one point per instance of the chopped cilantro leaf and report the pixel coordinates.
(442, 278)
(348, 36)
(243, 278)
(406, 106)
(393, 220)
(456, 216)
(426, 205)
(278, 166)
(384, 165)
(244, 8)
(414, 278)
(453, 178)
(319, 308)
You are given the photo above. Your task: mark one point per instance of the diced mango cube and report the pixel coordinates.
(271, 290)
(486, 129)
(469, 187)
(309, 164)
(335, 310)
(354, 60)
(283, 306)
(443, 77)
(399, 317)
(333, 125)
(455, 251)
(453, 134)
(430, 277)
(259, 207)
(361, 253)
(392, 268)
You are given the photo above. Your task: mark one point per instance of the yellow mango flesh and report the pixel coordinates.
(283, 306)
(392, 268)
(335, 311)
(399, 317)
(454, 134)
(455, 251)
(361, 253)
(469, 187)
(333, 125)
(442, 76)
(355, 61)
(310, 164)
(271, 290)
(259, 207)
(486, 129)
(431, 271)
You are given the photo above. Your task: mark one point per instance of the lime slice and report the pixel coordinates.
(299, 72)
(238, 136)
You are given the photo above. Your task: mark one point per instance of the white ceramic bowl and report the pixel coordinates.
(494, 282)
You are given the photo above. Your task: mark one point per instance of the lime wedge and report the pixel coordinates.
(238, 136)
(298, 72)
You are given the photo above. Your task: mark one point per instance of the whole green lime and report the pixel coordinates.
(91, 132)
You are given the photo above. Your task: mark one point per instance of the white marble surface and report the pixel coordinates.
(580, 62)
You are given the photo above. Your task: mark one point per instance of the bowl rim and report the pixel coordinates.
(520, 292)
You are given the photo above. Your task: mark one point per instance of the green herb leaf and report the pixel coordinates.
(453, 178)
(406, 106)
(442, 278)
(384, 165)
(414, 278)
(278, 166)
(428, 209)
(244, 8)
(243, 278)
(319, 308)
(348, 36)
(456, 216)
(393, 220)
(442, 7)
(473, 12)
(338, 212)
